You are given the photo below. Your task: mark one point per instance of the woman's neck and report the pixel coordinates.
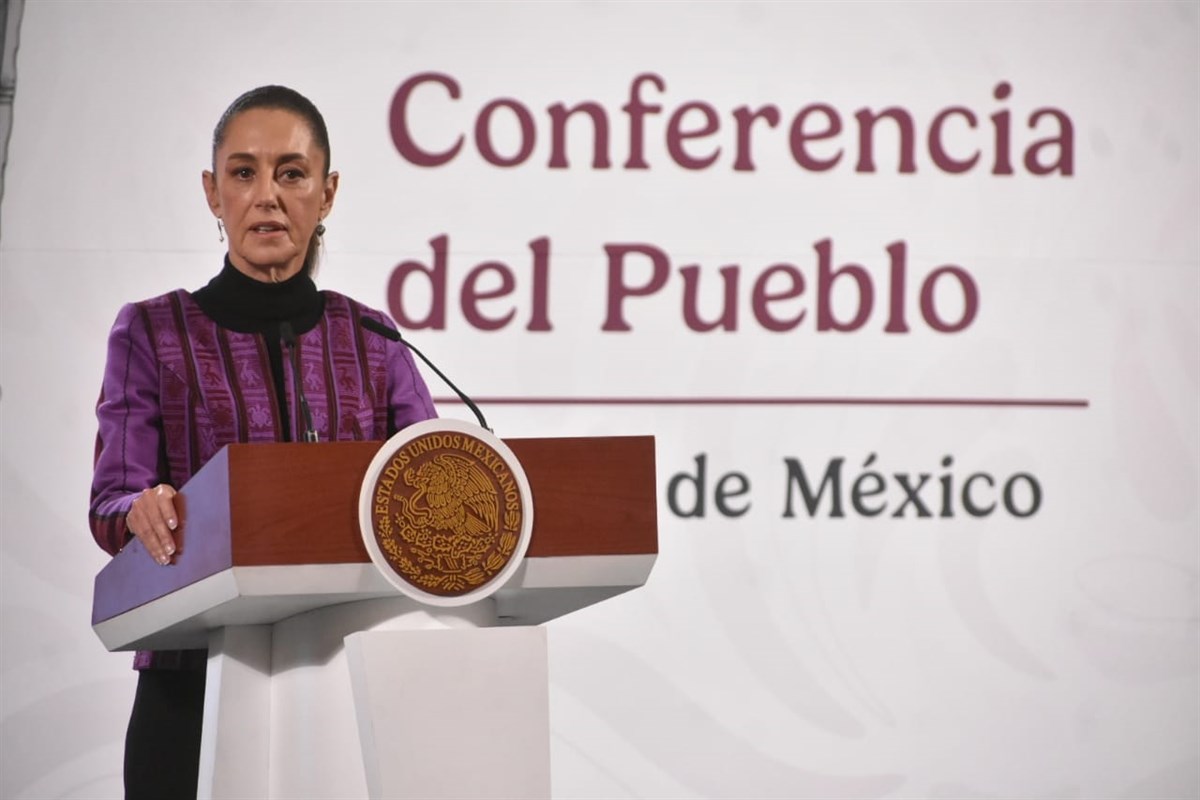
(243, 303)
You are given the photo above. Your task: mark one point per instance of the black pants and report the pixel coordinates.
(162, 745)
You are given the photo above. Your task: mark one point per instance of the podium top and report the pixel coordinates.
(293, 504)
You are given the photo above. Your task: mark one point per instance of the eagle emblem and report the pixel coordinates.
(447, 514)
(453, 494)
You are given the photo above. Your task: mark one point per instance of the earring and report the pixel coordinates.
(220, 229)
(320, 229)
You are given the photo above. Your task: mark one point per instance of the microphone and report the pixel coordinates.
(289, 339)
(374, 326)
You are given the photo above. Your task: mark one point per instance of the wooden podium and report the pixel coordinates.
(325, 681)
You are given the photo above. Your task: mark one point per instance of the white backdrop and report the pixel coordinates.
(771, 654)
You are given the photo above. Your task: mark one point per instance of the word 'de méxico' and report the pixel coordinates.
(866, 492)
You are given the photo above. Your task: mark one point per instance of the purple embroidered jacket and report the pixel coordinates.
(178, 387)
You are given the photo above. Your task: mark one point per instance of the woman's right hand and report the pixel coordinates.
(152, 519)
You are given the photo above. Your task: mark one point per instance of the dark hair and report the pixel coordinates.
(275, 97)
(284, 99)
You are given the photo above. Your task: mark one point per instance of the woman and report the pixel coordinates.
(189, 372)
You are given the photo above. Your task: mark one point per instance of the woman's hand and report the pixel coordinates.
(152, 519)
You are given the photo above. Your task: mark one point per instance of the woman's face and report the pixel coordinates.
(270, 191)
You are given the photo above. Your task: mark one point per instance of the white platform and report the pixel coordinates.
(377, 699)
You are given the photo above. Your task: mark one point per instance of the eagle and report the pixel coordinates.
(457, 495)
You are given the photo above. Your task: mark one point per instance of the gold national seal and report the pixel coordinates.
(447, 513)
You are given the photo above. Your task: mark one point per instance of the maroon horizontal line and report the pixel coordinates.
(775, 401)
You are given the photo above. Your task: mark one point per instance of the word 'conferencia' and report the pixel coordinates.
(813, 139)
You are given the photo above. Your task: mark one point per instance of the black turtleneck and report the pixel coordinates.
(240, 303)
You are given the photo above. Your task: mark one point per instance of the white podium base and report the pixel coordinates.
(377, 699)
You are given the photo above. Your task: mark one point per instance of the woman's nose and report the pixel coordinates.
(265, 191)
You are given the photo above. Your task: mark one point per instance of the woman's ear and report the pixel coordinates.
(331, 187)
(210, 193)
